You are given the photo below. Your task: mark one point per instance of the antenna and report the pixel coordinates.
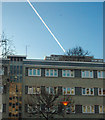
(26, 50)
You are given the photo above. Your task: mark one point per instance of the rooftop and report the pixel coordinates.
(73, 58)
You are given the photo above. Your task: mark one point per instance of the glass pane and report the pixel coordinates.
(34, 90)
(83, 73)
(100, 91)
(100, 108)
(103, 92)
(34, 71)
(68, 90)
(72, 73)
(84, 109)
(84, 91)
(47, 89)
(92, 109)
(51, 72)
(51, 90)
(91, 91)
(29, 90)
(38, 71)
(91, 74)
(87, 91)
(30, 71)
(38, 89)
(87, 73)
(55, 72)
(64, 91)
(88, 109)
(104, 109)
(72, 91)
(99, 74)
(64, 73)
(68, 73)
(47, 72)
(72, 109)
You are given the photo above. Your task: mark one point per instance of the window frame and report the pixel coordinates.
(49, 71)
(102, 74)
(103, 107)
(67, 90)
(85, 73)
(36, 69)
(89, 91)
(66, 73)
(71, 110)
(32, 87)
(86, 109)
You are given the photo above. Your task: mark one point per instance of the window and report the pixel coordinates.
(87, 74)
(0, 107)
(1, 89)
(52, 90)
(101, 74)
(87, 91)
(34, 90)
(70, 109)
(88, 109)
(68, 91)
(67, 73)
(34, 72)
(101, 91)
(1, 71)
(32, 108)
(101, 109)
(51, 72)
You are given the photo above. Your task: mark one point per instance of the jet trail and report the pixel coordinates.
(46, 26)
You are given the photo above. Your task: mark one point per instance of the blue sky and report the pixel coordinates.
(74, 24)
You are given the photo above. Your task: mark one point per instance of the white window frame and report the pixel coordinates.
(32, 71)
(35, 89)
(86, 108)
(89, 91)
(49, 92)
(102, 74)
(70, 106)
(101, 92)
(50, 71)
(70, 90)
(85, 74)
(66, 72)
(102, 109)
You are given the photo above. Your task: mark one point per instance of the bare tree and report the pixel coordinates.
(6, 46)
(46, 105)
(77, 51)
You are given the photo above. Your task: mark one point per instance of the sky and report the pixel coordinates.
(73, 24)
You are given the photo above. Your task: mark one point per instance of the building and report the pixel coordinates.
(83, 78)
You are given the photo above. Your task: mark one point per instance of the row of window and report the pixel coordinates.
(91, 109)
(65, 73)
(65, 90)
(69, 108)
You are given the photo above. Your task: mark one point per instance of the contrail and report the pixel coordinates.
(46, 26)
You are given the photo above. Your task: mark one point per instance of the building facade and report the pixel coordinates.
(83, 79)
